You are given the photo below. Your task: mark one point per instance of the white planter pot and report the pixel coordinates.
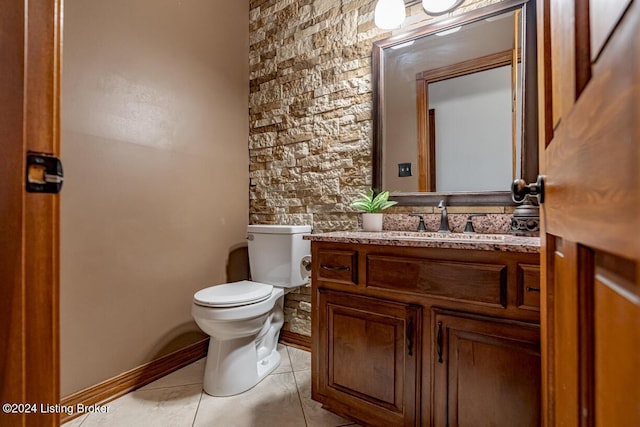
(372, 222)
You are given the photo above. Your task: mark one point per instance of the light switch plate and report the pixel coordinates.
(404, 169)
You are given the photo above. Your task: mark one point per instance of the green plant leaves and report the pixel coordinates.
(369, 203)
(382, 202)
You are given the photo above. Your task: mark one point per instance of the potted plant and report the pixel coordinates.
(372, 208)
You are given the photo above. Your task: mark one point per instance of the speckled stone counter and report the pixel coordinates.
(485, 242)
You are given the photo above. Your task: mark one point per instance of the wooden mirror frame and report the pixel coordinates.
(529, 156)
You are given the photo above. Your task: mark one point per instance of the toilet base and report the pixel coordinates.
(233, 367)
(268, 365)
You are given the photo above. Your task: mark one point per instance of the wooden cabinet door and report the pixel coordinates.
(368, 353)
(486, 371)
(589, 65)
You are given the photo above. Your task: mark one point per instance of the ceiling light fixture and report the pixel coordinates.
(390, 14)
(438, 7)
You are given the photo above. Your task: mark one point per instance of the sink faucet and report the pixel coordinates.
(468, 229)
(444, 218)
(421, 225)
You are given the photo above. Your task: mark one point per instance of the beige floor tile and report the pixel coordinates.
(285, 362)
(313, 412)
(166, 407)
(300, 359)
(189, 375)
(273, 402)
(282, 399)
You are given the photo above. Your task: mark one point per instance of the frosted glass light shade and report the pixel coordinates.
(389, 14)
(435, 7)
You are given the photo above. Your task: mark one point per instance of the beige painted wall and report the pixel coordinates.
(154, 143)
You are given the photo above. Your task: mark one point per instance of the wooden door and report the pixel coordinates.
(29, 82)
(368, 356)
(589, 65)
(486, 371)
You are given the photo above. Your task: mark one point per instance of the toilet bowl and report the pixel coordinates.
(243, 345)
(244, 318)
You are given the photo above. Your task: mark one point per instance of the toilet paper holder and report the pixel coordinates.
(305, 267)
(306, 263)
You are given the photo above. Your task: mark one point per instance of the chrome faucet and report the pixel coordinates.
(444, 218)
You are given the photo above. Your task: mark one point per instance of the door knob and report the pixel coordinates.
(520, 190)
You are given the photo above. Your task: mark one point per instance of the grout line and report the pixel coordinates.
(286, 347)
(304, 415)
(293, 369)
(195, 416)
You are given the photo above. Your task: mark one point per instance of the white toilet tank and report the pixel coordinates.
(275, 253)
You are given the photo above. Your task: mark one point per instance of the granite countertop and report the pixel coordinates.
(486, 242)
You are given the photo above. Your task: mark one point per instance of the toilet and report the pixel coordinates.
(244, 318)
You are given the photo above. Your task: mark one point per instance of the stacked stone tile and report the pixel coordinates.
(310, 115)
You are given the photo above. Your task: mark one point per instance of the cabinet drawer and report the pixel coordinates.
(338, 266)
(529, 286)
(469, 282)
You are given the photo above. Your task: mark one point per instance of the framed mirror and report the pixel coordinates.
(455, 108)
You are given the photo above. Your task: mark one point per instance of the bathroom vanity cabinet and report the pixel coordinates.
(410, 335)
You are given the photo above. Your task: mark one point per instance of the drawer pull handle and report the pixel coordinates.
(335, 268)
(439, 342)
(530, 289)
(410, 337)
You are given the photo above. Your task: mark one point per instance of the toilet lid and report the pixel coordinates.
(233, 294)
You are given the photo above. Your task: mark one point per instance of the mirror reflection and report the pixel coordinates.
(451, 107)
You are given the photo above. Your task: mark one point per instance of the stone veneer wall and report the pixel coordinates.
(310, 115)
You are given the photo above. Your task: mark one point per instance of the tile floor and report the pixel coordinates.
(282, 399)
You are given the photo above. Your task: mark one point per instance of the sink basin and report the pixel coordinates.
(428, 235)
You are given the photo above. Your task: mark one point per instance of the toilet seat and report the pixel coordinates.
(233, 294)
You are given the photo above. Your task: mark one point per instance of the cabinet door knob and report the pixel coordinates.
(439, 342)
